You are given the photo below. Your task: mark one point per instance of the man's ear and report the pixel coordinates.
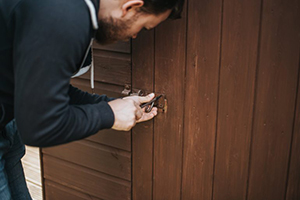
(131, 4)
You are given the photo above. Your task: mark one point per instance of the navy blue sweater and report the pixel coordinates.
(42, 45)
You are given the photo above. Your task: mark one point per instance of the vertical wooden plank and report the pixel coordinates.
(170, 51)
(275, 100)
(293, 187)
(142, 134)
(202, 75)
(241, 22)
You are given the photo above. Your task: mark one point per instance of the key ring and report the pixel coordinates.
(149, 106)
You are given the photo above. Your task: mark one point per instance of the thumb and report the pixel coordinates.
(147, 98)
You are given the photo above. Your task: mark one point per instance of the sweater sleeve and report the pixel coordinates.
(51, 37)
(79, 97)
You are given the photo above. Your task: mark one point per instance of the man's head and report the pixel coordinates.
(124, 19)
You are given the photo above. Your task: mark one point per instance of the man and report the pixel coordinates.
(42, 45)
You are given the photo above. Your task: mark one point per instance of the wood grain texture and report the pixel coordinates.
(142, 134)
(35, 191)
(275, 100)
(203, 51)
(94, 156)
(111, 67)
(123, 47)
(170, 61)
(55, 191)
(241, 24)
(32, 172)
(293, 186)
(85, 180)
(100, 88)
(32, 157)
(113, 138)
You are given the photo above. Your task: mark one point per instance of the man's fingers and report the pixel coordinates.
(139, 113)
(147, 98)
(148, 116)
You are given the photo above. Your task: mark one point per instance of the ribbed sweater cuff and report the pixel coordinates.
(107, 117)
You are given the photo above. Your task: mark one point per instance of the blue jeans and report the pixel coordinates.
(12, 181)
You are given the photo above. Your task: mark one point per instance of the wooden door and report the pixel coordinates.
(229, 71)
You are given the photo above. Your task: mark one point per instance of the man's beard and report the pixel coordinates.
(111, 30)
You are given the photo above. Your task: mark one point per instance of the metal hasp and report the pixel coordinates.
(162, 104)
(128, 91)
(160, 101)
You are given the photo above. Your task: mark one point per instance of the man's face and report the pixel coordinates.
(115, 29)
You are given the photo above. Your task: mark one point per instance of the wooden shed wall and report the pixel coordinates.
(98, 167)
(230, 71)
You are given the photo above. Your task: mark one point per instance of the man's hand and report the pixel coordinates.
(128, 112)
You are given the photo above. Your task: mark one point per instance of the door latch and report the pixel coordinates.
(128, 91)
(162, 104)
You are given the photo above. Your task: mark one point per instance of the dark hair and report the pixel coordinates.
(161, 6)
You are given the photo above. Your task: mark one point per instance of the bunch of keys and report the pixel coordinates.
(149, 106)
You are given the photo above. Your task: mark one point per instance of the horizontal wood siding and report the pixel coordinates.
(100, 88)
(57, 191)
(101, 158)
(85, 180)
(111, 67)
(122, 47)
(101, 164)
(112, 138)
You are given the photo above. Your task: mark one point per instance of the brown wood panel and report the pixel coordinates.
(55, 191)
(111, 67)
(241, 25)
(113, 138)
(203, 51)
(120, 46)
(94, 156)
(293, 187)
(100, 88)
(275, 99)
(170, 58)
(109, 89)
(142, 134)
(86, 181)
